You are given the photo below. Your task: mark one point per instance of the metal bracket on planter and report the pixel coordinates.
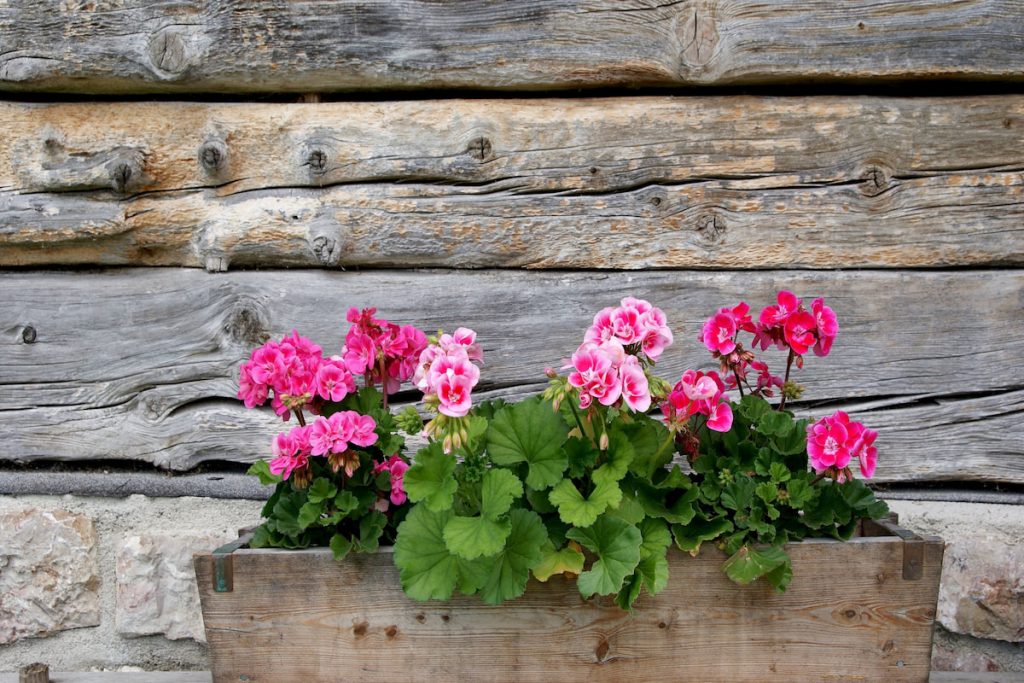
(913, 545)
(223, 564)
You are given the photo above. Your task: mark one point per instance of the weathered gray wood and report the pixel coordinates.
(727, 182)
(123, 677)
(352, 615)
(262, 45)
(140, 364)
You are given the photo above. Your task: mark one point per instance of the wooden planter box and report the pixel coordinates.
(856, 611)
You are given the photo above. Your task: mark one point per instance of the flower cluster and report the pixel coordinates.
(610, 364)
(383, 352)
(633, 322)
(835, 440)
(788, 325)
(698, 393)
(295, 369)
(446, 374)
(327, 436)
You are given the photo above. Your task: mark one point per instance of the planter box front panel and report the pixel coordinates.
(849, 615)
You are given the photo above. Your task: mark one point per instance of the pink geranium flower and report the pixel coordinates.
(719, 416)
(454, 393)
(799, 330)
(719, 333)
(333, 380)
(291, 452)
(596, 375)
(827, 442)
(636, 391)
(826, 325)
(786, 304)
(396, 467)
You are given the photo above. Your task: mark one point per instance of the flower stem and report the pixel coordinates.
(739, 382)
(299, 416)
(789, 366)
(818, 478)
(576, 414)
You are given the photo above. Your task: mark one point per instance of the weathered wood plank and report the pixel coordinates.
(728, 182)
(140, 364)
(872, 625)
(262, 45)
(122, 677)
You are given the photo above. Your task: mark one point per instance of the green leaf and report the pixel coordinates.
(309, 514)
(800, 493)
(567, 559)
(738, 494)
(346, 502)
(767, 491)
(370, 529)
(629, 592)
(629, 509)
(619, 455)
(779, 472)
(675, 506)
(574, 509)
(366, 401)
(648, 437)
(285, 517)
(617, 546)
(428, 571)
(321, 489)
(529, 431)
(653, 569)
(340, 546)
(581, 456)
(781, 575)
(431, 478)
(500, 488)
(539, 501)
(876, 510)
(510, 570)
(261, 469)
(753, 407)
(656, 537)
(473, 537)
(856, 494)
(689, 537)
(749, 563)
(775, 423)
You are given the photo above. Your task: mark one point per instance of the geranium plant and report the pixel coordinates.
(339, 471)
(595, 479)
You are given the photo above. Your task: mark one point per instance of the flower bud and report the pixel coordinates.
(550, 372)
(604, 441)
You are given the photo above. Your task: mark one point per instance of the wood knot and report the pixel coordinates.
(876, 180)
(317, 161)
(445, 618)
(655, 201)
(711, 227)
(121, 175)
(850, 614)
(421, 617)
(480, 149)
(212, 156)
(359, 630)
(391, 631)
(698, 35)
(245, 326)
(325, 249)
(888, 647)
(168, 50)
(28, 334)
(601, 651)
(1007, 122)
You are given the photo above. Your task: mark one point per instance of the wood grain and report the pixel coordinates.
(140, 364)
(144, 46)
(352, 616)
(630, 183)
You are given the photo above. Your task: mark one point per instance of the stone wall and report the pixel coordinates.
(91, 583)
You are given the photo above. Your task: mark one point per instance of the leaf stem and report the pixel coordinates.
(789, 366)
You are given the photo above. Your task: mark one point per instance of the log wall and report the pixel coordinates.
(512, 213)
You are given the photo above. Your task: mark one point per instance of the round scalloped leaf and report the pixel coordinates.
(510, 570)
(568, 559)
(617, 546)
(473, 537)
(500, 488)
(430, 478)
(574, 509)
(530, 432)
(428, 571)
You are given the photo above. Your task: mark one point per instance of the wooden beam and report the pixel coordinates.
(140, 364)
(141, 46)
(727, 182)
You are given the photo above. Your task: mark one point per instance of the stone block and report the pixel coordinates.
(48, 573)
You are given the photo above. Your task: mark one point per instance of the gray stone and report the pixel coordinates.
(156, 586)
(982, 591)
(48, 573)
